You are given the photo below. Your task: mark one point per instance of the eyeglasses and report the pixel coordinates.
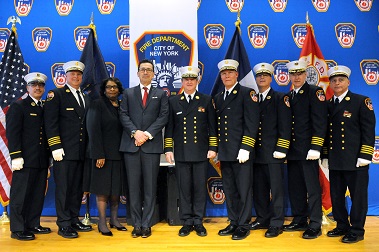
(260, 75)
(111, 87)
(148, 70)
(36, 83)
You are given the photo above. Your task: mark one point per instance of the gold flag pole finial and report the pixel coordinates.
(14, 20)
(307, 18)
(92, 25)
(238, 22)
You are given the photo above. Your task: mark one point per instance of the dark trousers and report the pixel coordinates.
(357, 182)
(238, 186)
(192, 179)
(268, 178)
(68, 177)
(26, 198)
(142, 175)
(305, 192)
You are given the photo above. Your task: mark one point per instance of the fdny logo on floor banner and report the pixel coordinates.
(42, 38)
(234, 5)
(169, 52)
(375, 157)
(258, 35)
(4, 35)
(345, 33)
(105, 6)
(278, 5)
(364, 5)
(331, 63)
(281, 75)
(216, 190)
(214, 35)
(200, 65)
(299, 31)
(111, 68)
(321, 5)
(64, 7)
(81, 34)
(370, 71)
(23, 7)
(58, 75)
(123, 37)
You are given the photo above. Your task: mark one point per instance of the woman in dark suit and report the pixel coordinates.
(104, 131)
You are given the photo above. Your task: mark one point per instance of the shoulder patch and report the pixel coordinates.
(286, 100)
(368, 103)
(50, 96)
(320, 95)
(254, 95)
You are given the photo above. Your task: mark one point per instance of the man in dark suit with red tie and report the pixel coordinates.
(348, 150)
(272, 146)
(66, 133)
(238, 121)
(29, 152)
(309, 119)
(143, 114)
(191, 136)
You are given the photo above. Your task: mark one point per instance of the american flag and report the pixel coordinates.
(12, 87)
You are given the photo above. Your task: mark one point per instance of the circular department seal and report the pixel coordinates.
(313, 76)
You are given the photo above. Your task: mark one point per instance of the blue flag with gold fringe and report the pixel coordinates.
(95, 70)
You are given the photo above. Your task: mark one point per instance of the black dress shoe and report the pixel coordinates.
(257, 225)
(146, 232)
(273, 232)
(352, 238)
(302, 226)
(109, 233)
(311, 233)
(67, 232)
(23, 235)
(336, 232)
(80, 227)
(185, 230)
(200, 230)
(121, 228)
(39, 230)
(229, 230)
(137, 231)
(240, 233)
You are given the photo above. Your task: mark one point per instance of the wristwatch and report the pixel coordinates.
(133, 132)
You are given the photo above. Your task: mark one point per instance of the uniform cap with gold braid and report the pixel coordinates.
(263, 68)
(73, 65)
(228, 64)
(339, 70)
(35, 76)
(189, 72)
(297, 66)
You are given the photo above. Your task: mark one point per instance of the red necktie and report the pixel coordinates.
(144, 98)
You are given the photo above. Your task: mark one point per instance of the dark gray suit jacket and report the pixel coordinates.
(152, 118)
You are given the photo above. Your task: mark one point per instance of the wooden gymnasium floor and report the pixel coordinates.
(165, 238)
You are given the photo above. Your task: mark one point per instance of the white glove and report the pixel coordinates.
(313, 155)
(58, 154)
(17, 164)
(360, 162)
(324, 163)
(243, 155)
(278, 154)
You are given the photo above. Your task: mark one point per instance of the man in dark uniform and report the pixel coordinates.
(238, 120)
(29, 152)
(191, 131)
(65, 129)
(350, 146)
(271, 149)
(143, 114)
(309, 119)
